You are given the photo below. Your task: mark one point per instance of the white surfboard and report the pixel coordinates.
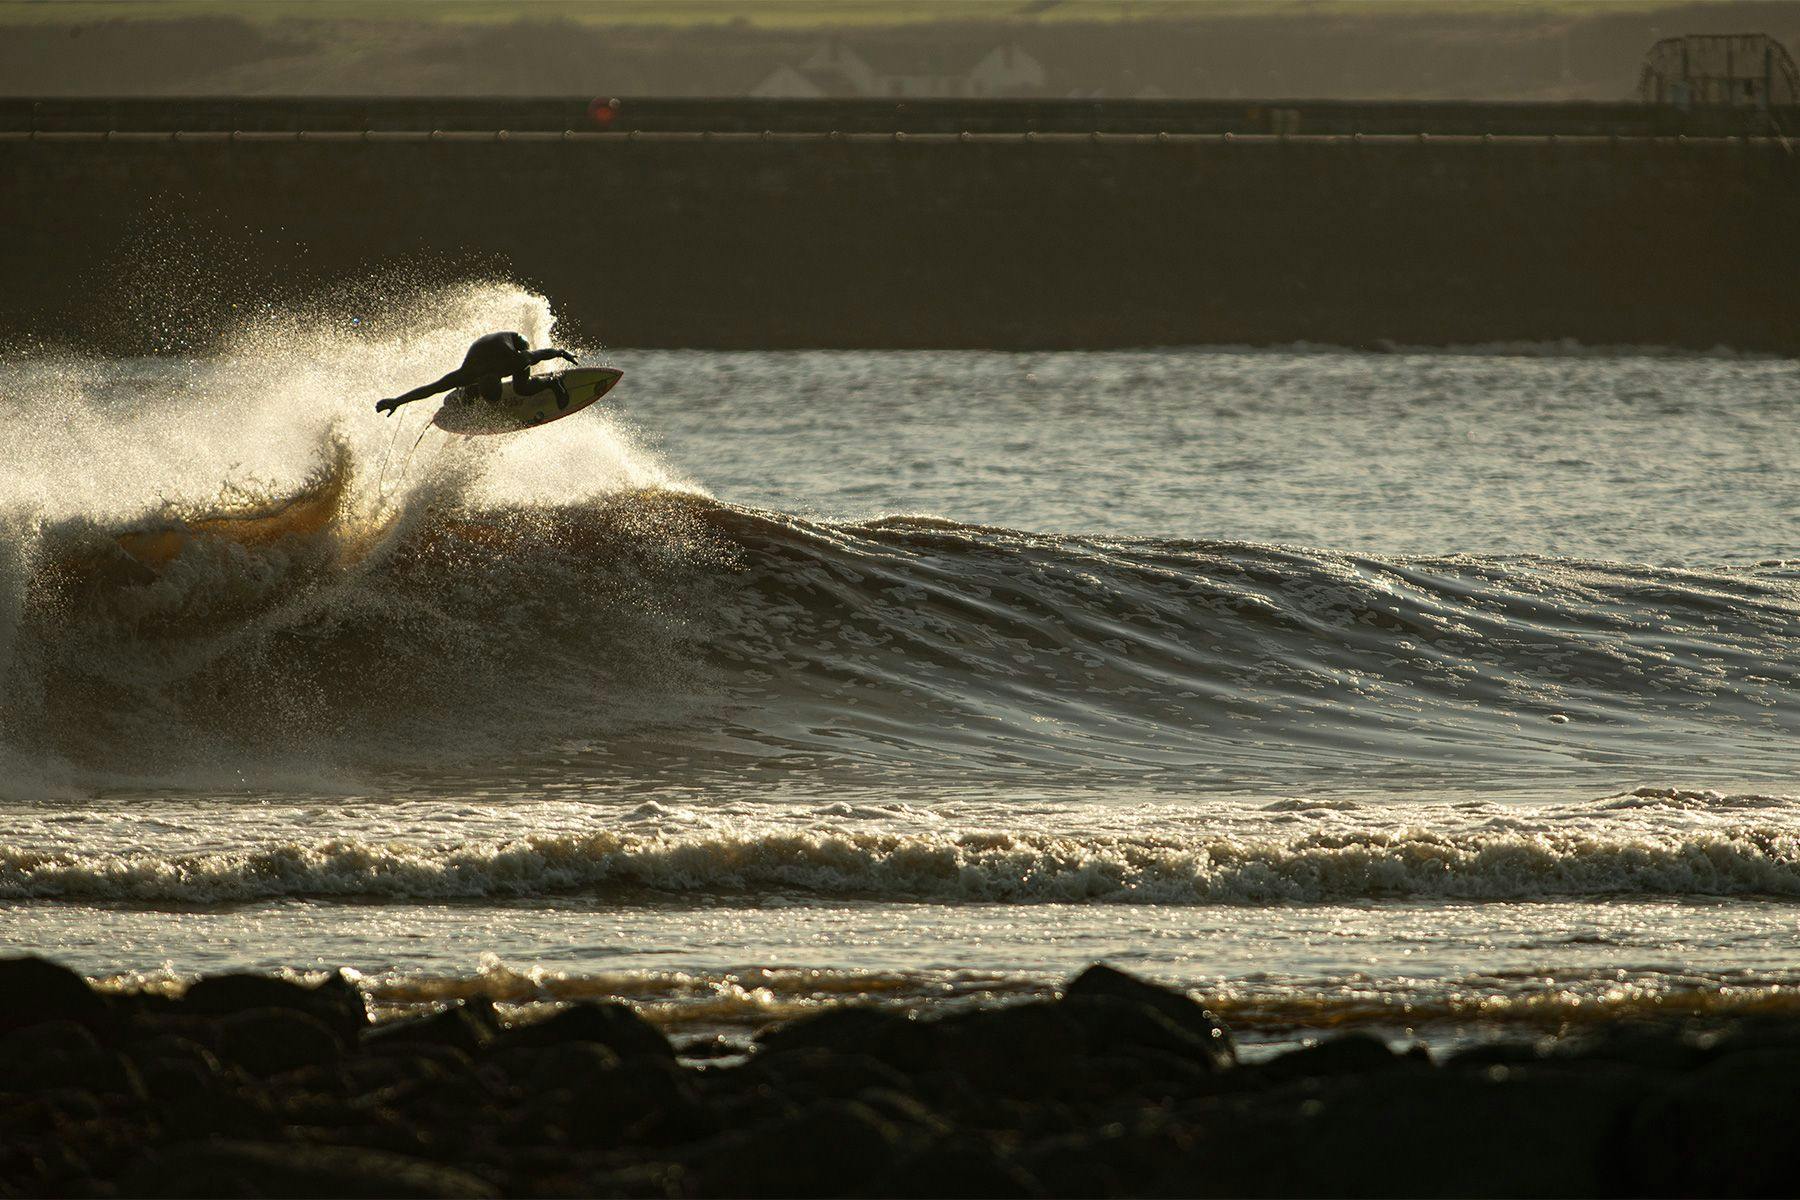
(464, 411)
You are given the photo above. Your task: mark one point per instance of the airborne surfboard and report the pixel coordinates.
(465, 411)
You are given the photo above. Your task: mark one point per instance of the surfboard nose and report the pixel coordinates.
(612, 375)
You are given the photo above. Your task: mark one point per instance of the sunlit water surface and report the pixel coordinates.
(1441, 692)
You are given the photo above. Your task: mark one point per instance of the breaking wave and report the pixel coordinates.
(1274, 865)
(179, 604)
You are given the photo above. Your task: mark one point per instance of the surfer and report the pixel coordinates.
(489, 360)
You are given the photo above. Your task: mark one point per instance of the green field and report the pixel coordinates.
(791, 14)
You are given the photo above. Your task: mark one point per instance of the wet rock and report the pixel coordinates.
(546, 1068)
(1724, 1130)
(459, 1027)
(1347, 1054)
(1113, 1023)
(1428, 1133)
(905, 1111)
(268, 1041)
(64, 1054)
(34, 990)
(279, 1170)
(615, 1026)
(645, 1100)
(1497, 1054)
(955, 1166)
(849, 1029)
(814, 1074)
(1079, 1163)
(654, 1179)
(1667, 1046)
(1017, 1049)
(1139, 1075)
(337, 1003)
(826, 1149)
(192, 1101)
(1177, 1007)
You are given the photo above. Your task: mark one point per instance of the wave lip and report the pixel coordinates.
(1320, 866)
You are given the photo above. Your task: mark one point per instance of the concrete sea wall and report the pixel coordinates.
(1029, 240)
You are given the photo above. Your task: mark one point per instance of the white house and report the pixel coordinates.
(785, 83)
(833, 69)
(834, 59)
(1007, 71)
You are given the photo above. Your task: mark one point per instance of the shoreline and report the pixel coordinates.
(252, 1085)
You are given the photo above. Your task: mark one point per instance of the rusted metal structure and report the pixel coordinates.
(1738, 70)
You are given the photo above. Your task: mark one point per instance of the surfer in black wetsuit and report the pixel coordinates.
(489, 360)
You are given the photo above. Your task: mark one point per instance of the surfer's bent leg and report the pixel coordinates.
(525, 385)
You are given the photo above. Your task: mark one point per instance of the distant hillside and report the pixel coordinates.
(1334, 50)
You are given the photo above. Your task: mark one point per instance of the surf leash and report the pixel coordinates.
(381, 476)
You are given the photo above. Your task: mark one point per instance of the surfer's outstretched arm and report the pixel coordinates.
(538, 356)
(452, 380)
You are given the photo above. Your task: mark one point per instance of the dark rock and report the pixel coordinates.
(1139, 1075)
(904, 1111)
(151, 1052)
(1662, 1045)
(1079, 1163)
(196, 1096)
(645, 1100)
(955, 1166)
(336, 1002)
(459, 1027)
(846, 1029)
(1113, 1023)
(1724, 1130)
(814, 1074)
(654, 1179)
(1347, 1054)
(615, 1026)
(1497, 1054)
(60, 1037)
(64, 1054)
(280, 1170)
(444, 1061)
(546, 1068)
(1015, 1050)
(1177, 1007)
(34, 990)
(827, 1149)
(1502, 1132)
(268, 1041)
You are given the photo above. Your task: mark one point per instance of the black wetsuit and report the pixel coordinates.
(489, 360)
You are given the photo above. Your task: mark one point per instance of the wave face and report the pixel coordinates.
(653, 625)
(361, 606)
(924, 639)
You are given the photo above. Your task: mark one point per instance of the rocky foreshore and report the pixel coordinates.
(254, 1086)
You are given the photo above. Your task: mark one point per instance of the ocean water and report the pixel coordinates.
(1438, 693)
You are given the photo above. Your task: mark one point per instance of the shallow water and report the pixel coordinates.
(1440, 692)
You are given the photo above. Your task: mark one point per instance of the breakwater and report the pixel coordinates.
(1019, 239)
(678, 114)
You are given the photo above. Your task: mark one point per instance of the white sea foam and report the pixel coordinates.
(1325, 865)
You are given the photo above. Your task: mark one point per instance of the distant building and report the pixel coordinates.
(1007, 71)
(1745, 70)
(785, 83)
(834, 69)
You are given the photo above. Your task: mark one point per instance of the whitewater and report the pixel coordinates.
(1426, 691)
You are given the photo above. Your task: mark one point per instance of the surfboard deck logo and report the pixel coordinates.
(465, 411)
